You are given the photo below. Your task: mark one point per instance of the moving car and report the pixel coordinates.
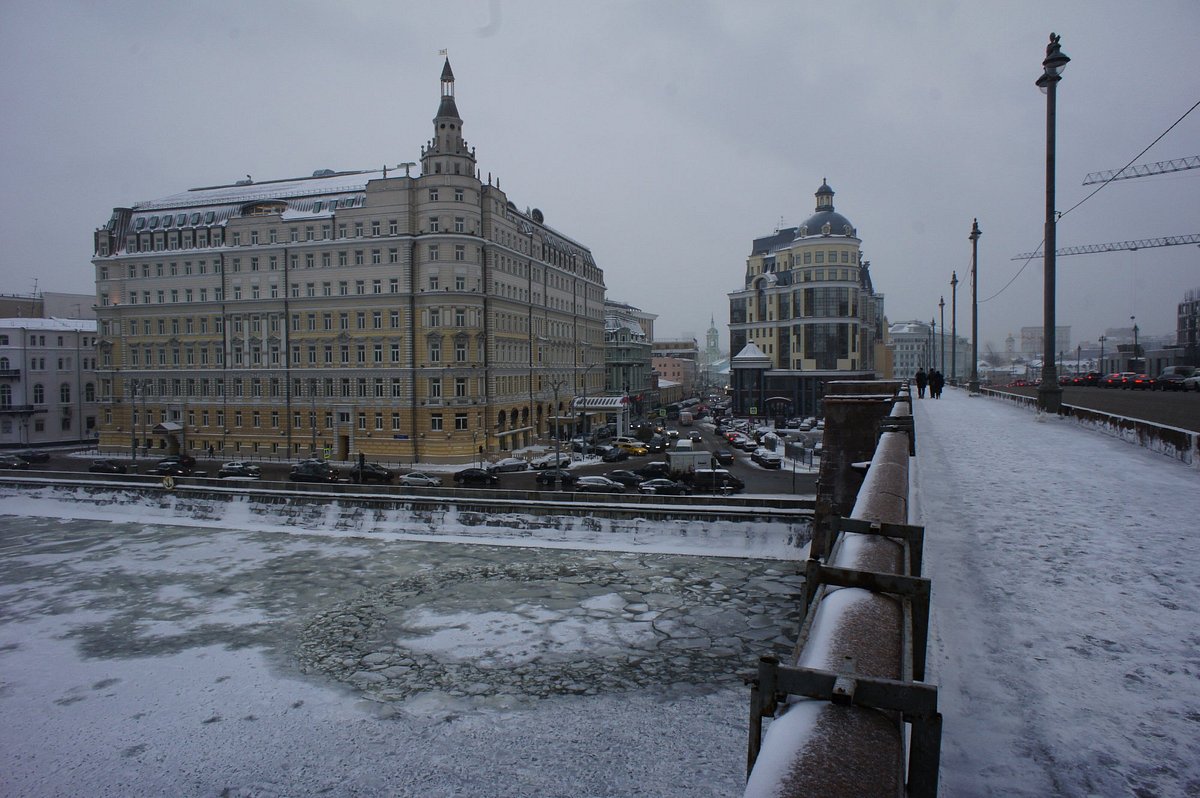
(653, 470)
(314, 471)
(1140, 382)
(1192, 383)
(9, 461)
(419, 479)
(559, 459)
(238, 469)
(170, 468)
(723, 456)
(34, 456)
(371, 472)
(106, 467)
(633, 449)
(510, 464)
(716, 480)
(612, 454)
(552, 475)
(627, 478)
(597, 484)
(476, 476)
(663, 487)
(1171, 379)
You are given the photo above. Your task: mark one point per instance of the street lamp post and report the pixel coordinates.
(942, 311)
(133, 386)
(932, 343)
(312, 416)
(1049, 391)
(973, 385)
(1100, 365)
(1135, 364)
(954, 327)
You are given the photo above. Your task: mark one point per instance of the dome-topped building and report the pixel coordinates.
(808, 306)
(826, 221)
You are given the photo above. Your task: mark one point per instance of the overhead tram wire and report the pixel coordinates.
(1035, 253)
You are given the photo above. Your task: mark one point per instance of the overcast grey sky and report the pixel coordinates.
(665, 136)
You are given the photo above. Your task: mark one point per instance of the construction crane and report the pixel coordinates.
(1118, 246)
(1144, 170)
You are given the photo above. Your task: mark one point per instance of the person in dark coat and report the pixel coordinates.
(922, 381)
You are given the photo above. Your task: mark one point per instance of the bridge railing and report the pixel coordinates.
(853, 715)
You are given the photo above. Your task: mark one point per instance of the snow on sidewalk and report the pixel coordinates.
(1066, 604)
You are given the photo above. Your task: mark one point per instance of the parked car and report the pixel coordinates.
(34, 456)
(552, 460)
(238, 469)
(723, 456)
(314, 471)
(1140, 382)
(664, 487)
(11, 461)
(371, 472)
(627, 478)
(106, 467)
(597, 484)
(550, 476)
(613, 454)
(766, 458)
(510, 464)
(419, 479)
(476, 476)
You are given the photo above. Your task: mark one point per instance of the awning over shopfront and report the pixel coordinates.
(167, 428)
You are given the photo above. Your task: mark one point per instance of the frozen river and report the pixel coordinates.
(151, 659)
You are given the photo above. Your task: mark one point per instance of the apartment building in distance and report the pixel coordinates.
(807, 314)
(47, 381)
(408, 317)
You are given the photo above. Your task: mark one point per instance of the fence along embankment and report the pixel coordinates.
(853, 716)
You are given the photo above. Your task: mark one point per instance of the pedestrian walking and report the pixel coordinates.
(936, 383)
(922, 381)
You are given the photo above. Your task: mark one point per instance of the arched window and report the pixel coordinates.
(4, 364)
(64, 393)
(39, 394)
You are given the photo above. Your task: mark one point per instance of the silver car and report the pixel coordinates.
(417, 479)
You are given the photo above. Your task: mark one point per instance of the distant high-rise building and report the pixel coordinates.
(400, 316)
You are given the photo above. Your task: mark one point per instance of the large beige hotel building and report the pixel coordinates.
(404, 316)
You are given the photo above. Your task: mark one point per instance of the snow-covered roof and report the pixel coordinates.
(51, 324)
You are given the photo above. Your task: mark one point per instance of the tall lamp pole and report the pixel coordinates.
(973, 385)
(942, 310)
(1049, 391)
(1100, 365)
(932, 343)
(954, 327)
(1135, 364)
